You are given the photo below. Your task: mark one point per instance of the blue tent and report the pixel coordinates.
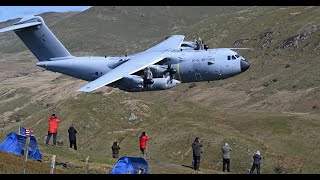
(130, 165)
(15, 143)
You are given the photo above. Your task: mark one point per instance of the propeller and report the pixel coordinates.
(198, 45)
(170, 72)
(201, 44)
(147, 77)
(200, 41)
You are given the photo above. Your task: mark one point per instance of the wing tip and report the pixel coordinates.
(19, 26)
(81, 90)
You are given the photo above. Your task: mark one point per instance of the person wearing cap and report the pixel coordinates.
(256, 162)
(226, 157)
(197, 151)
(53, 129)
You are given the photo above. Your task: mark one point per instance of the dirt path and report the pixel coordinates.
(166, 167)
(307, 115)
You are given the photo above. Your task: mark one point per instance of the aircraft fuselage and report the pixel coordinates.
(191, 65)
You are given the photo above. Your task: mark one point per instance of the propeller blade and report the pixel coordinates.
(171, 78)
(171, 72)
(168, 79)
(147, 77)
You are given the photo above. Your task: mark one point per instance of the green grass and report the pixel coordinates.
(15, 103)
(12, 164)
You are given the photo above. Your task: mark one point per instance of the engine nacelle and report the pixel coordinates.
(134, 83)
(161, 84)
(158, 70)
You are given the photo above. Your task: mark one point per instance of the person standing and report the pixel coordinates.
(256, 162)
(143, 144)
(115, 150)
(72, 137)
(197, 151)
(53, 129)
(226, 157)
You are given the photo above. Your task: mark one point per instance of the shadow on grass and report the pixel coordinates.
(191, 167)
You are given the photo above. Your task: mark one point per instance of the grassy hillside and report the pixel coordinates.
(273, 107)
(285, 71)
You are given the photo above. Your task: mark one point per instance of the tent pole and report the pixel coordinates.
(87, 165)
(26, 152)
(53, 162)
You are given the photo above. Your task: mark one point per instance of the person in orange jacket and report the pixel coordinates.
(53, 129)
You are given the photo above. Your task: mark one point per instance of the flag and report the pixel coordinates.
(25, 131)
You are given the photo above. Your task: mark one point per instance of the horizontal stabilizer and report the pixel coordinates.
(19, 26)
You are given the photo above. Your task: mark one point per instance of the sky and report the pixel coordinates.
(12, 12)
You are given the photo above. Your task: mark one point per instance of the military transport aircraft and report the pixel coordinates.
(163, 66)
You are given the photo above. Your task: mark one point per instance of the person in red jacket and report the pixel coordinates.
(53, 129)
(143, 144)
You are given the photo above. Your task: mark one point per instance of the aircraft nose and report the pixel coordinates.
(244, 65)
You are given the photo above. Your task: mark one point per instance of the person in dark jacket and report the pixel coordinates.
(72, 137)
(115, 150)
(256, 162)
(226, 157)
(197, 151)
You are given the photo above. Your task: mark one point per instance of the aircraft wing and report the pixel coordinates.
(172, 43)
(135, 64)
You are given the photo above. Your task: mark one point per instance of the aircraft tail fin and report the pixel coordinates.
(39, 39)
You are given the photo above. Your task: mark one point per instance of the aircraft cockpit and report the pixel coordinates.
(233, 57)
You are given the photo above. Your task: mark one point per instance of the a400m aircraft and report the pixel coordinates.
(163, 66)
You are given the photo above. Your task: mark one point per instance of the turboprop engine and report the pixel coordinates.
(134, 83)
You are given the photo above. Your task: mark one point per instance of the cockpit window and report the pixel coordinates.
(233, 57)
(237, 55)
(229, 58)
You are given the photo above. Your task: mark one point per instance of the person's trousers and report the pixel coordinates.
(73, 143)
(143, 152)
(54, 138)
(196, 162)
(255, 166)
(226, 162)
